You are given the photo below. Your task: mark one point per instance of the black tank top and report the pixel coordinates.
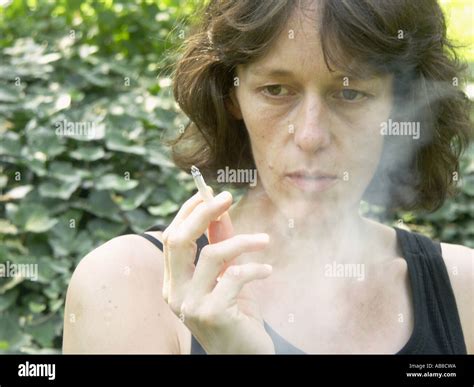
(437, 328)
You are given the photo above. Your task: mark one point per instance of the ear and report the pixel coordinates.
(232, 105)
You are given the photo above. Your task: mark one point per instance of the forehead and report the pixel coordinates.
(298, 49)
(297, 43)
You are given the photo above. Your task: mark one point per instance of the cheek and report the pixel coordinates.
(363, 144)
(267, 133)
(265, 124)
(261, 117)
(356, 132)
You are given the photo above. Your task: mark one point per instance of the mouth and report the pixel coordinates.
(311, 182)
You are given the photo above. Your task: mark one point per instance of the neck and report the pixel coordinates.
(333, 236)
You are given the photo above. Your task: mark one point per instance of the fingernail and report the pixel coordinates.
(223, 196)
(268, 268)
(263, 237)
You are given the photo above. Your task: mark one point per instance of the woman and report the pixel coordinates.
(332, 102)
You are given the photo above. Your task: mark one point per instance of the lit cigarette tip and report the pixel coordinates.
(200, 183)
(195, 171)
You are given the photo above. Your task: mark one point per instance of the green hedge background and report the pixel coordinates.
(105, 64)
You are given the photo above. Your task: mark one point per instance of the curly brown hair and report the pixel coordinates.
(427, 79)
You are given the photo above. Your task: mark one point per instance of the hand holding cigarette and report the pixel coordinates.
(221, 314)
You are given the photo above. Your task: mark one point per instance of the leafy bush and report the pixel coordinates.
(84, 106)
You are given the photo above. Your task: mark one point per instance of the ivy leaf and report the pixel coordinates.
(134, 198)
(43, 333)
(54, 189)
(115, 183)
(117, 142)
(101, 205)
(164, 209)
(33, 218)
(105, 230)
(88, 153)
(66, 171)
(16, 193)
(140, 220)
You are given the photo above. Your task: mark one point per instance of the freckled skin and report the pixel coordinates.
(330, 134)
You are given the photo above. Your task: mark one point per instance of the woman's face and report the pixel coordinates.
(315, 134)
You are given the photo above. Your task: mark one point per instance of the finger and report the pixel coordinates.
(182, 214)
(214, 257)
(199, 219)
(180, 256)
(178, 274)
(180, 244)
(188, 206)
(235, 277)
(185, 209)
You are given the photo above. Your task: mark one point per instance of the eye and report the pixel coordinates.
(275, 91)
(350, 95)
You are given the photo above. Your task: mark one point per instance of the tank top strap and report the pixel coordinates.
(437, 324)
(201, 241)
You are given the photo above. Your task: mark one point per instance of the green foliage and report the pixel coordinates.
(452, 223)
(100, 68)
(459, 15)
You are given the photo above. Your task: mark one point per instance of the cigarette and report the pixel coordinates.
(207, 196)
(200, 184)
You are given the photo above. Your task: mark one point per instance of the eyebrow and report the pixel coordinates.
(277, 72)
(265, 71)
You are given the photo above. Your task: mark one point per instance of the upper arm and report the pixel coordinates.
(114, 301)
(459, 262)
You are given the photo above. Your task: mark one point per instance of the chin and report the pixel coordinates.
(307, 204)
(307, 210)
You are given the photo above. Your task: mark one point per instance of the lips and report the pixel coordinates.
(312, 181)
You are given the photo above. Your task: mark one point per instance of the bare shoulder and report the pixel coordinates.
(114, 301)
(459, 262)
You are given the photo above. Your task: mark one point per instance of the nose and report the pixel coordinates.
(312, 129)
